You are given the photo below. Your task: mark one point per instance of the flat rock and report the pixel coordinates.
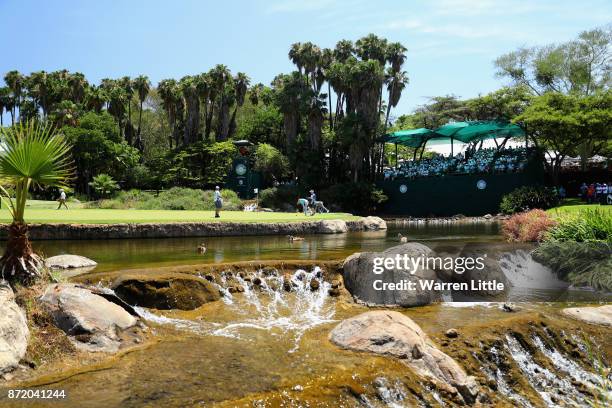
(601, 315)
(68, 261)
(84, 314)
(374, 223)
(359, 278)
(393, 334)
(14, 333)
(332, 227)
(166, 291)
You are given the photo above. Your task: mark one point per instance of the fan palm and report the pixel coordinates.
(33, 155)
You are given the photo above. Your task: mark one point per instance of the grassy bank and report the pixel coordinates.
(102, 216)
(573, 206)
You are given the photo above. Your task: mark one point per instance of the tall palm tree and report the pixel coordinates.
(142, 86)
(396, 56)
(5, 94)
(241, 84)
(396, 82)
(168, 92)
(189, 89)
(33, 154)
(14, 80)
(95, 98)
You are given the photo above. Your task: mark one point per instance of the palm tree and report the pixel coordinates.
(241, 84)
(189, 89)
(14, 80)
(33, 155)
(5, 94)
(396, 55)
(396, 82)
(95, 98)
(142, 86)
(168, 92)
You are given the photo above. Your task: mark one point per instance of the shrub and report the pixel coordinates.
(283, 197)
(528, 198)
(527, 226)
(271, 162)
(356, 198)
(104, 185)
(586, 226)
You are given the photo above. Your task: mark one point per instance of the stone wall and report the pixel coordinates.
(184, 229)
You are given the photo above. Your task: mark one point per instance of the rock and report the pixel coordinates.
(334, 292)
(287, 282)
(14, 333)
(359, 278)
(332, 227)
(68, 261)
(601, 315)
(166, 291)
(394, 334)
(487, 216)
(335, 284)
(491, 258)
(509, 307)
(374, 223)
(452, 333)
(314, 284)
(92, 319)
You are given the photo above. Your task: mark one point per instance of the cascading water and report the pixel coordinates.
(282, 305)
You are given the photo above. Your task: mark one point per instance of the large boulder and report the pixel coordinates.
(394, 334)
(601, 315)
(166, 291)
(68, 261)
(14, 333)
(491, 257)
(332, 227)
(90, 318)
(359, 278)
(374, 223)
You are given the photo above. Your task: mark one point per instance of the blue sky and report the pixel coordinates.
(451, 43)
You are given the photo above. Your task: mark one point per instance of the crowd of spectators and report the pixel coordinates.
(491, 160)
(596, 193)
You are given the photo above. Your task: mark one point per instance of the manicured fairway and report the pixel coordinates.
(98, 216)
(573, 206)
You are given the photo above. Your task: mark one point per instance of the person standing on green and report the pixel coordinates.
(218, 202)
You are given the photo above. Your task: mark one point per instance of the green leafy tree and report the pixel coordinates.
(271, 162)
(33, 154)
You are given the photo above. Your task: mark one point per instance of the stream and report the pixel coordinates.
(267, 347)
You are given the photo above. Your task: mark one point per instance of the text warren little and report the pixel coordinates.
(433, 285)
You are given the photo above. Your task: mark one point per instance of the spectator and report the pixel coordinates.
(218, 202)
(590, 194)
(561, 193)
(583, 191)
(313, 198)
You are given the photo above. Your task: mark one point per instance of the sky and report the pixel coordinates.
(451, 43)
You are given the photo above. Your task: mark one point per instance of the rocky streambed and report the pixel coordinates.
(300, 333)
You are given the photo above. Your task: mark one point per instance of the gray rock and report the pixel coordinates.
(332, 227)
(374, 223)
(68, 261)
(601, 315)
(14, 333)
(359, 278)
(393, 334)
(491, 258)
(92, 319)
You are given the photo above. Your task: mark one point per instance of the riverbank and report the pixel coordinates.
(65, 231)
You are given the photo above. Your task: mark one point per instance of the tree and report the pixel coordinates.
(580, 66)
(33, 154)
(271, 162)
(15, 81)
(559, 124)
(142, 86)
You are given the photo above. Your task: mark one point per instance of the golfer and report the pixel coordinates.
(62, 199)
(218, 202)
(302, 202)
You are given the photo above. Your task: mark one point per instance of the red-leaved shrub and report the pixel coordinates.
(528, 226)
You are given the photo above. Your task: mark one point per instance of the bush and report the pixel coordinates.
(528, 198)
(283, 197)
(530, 226)
(586, 226)
(271, 163)
(356, 198)
(104, 185)
(177, 198)
(581, 263)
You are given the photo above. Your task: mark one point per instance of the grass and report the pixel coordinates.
(573, 206)
(42, 212)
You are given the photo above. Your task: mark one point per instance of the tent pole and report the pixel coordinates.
(423, 151)
(452, 140)
(396, 155)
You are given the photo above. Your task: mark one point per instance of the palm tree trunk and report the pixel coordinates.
(19, 263)
(331, 122)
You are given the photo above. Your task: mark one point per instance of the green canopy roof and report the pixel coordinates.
(411, 138)
(467, 132)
